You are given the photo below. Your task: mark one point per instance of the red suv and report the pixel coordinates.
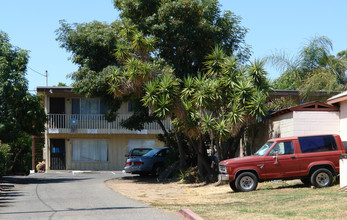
(313, 159)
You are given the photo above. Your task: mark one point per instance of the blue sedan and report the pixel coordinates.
(152, 162)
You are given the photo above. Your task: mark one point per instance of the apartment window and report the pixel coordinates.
(89, 150)
(88, 106)
(131, 106)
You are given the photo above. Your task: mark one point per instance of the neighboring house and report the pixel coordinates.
(306, 119)
(78, 137)
(340, 101)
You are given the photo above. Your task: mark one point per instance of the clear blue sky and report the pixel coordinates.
(273, 25)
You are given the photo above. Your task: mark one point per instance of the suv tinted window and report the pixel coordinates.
(317, 143)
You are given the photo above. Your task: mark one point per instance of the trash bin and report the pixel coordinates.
(343, 170)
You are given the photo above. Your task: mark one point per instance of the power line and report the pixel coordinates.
(44, 75)
(37, 71)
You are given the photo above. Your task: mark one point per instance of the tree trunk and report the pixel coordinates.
(16, 158)
(211, 175)
(182, 154)
(162, 128)
(201, 160)
(220, 151)
(213, 152)
(235, 144)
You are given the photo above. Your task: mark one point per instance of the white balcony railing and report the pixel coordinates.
(65, 123)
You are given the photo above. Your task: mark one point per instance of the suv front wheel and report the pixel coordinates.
(246, 182)
(322, 178)
(233, 186)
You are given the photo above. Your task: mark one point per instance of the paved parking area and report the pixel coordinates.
(67, 195)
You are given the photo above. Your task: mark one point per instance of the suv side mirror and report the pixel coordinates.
(275, 156)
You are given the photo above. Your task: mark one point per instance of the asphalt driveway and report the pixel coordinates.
(70, 196)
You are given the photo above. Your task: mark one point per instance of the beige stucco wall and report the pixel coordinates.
(117, 143)
(343, 122)
(117, 148)
(308, 123)
(315, 122)
(282, 125)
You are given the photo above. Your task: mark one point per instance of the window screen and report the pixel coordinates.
(317, 143)
(88, 106)
(76, 106)
(89, 150)
(131, 106)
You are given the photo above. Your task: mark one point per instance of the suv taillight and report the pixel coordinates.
(138, 163)
(128, 164)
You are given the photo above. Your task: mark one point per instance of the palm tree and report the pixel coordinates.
(216, 105)
(313, 69)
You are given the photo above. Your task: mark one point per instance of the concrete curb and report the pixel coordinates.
(190, 215)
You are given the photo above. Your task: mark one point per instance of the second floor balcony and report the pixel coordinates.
(97, 124)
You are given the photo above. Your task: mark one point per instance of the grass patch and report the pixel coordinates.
(272, 201)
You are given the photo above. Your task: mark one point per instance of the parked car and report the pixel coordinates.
(152, 162)
(313, 159)
(138, 152)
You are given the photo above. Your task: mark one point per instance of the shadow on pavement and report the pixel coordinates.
(8, 191)
(145, 179)
(36, 180)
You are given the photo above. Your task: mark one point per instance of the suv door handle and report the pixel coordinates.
(293, 157)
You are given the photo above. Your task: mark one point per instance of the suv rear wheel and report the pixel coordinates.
(322, 178)
(306, 181)
(246, 182)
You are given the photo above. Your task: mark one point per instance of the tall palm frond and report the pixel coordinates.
(214, 61)
(315, 53)
(258, 74)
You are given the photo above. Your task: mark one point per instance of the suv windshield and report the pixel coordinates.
(262, 151)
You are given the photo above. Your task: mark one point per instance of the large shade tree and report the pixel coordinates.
(167, 46)
(21, 114)
(181, 32)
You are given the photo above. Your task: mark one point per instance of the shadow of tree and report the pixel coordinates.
(8, 184)
(145, 179)
(36, 180)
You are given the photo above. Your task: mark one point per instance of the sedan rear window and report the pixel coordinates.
(139, 152)
(317, 144)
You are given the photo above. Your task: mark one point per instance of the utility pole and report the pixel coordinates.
(46, 78)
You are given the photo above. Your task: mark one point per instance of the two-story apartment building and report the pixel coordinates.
(78, 137)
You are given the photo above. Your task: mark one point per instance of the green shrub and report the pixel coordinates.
(5, 156)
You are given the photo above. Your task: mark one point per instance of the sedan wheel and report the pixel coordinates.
(157, 169)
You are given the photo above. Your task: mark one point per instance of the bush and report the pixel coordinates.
(5, 156)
